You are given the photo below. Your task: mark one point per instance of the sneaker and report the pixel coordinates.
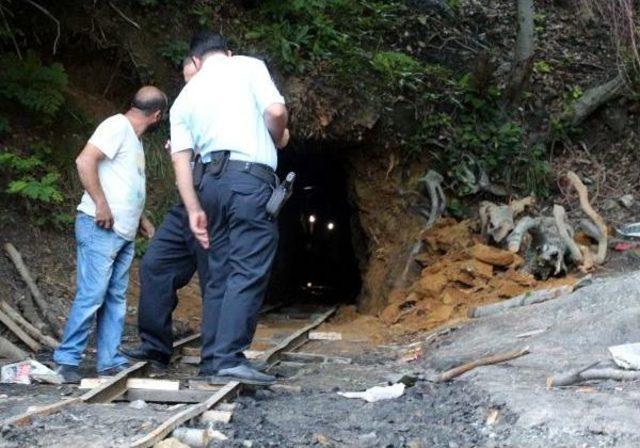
(244, 374)
(113, 371)
(139, 353)
(70, 374)
(261, 366)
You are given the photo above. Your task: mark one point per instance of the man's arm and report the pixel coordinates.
(197, 216)
(87, 164)
(276, 118)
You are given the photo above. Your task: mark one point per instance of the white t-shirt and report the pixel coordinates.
(221, 108)
(121, 174)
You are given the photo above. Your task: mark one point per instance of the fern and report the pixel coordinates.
(32, 85)
(43, 190)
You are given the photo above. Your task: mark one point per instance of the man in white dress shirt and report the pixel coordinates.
(234, 116)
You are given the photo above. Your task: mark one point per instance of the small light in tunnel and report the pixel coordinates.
(309, 285)
(312, 218)
(331, 225)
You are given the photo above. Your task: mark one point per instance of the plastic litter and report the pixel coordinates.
(377, 393)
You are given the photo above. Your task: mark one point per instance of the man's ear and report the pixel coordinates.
(197, 62)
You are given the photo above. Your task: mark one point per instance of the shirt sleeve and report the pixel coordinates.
(181, 138)
(109, 136)
(264, 90)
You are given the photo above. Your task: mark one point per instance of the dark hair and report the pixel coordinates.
(207, 41)
(150, 104)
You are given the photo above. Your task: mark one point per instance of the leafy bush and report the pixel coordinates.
(29, 179)
(175, 51)
(36, 87)
(398, 68)
(495, 141)
(302, 33)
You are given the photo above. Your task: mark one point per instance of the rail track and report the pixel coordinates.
(273, 344)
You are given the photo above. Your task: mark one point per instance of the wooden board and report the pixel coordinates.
(133, 383)
(296, 339)
(166, 396)
(26, 417)
(325, 336)
(176, 420)
(19, 332)
(114, 387)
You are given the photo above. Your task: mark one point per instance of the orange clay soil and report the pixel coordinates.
(459, 272)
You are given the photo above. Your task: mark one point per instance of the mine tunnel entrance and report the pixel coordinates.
(316, 261)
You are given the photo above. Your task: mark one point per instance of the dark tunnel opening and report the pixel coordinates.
(316, 261)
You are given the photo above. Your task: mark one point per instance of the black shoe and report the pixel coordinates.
(112, 371)
(139, 353)
(69, 374)
(243, 374)
(261, 366)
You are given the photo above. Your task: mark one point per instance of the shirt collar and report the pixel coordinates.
(214, 59)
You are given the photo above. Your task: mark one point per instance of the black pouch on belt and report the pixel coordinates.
(280, 194)
(198, 171)
(218, 162)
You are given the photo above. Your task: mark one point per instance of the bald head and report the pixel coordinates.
(149, 100)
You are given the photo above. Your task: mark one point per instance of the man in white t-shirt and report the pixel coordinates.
(112, 171)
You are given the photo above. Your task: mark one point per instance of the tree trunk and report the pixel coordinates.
(523, 57)
(592, 99)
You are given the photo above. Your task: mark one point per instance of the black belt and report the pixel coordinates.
(259, 170)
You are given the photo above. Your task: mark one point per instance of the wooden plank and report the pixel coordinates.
(314, 357)
(176, 420)
(26, 417)
(19, 332)
(114, 387)
(195, 352)
(325, 336)
(166, 396)
(296, 339)
(133, 383)
(186, 340)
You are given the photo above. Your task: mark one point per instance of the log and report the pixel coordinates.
(583, 196)
(19, 332)
(566, 233)
(485, 361)
(28, 308)
(529, 298)
(10, 351)
(38, 298)
(592, 99)
(496, 220)
(609, 373)
(28, 328)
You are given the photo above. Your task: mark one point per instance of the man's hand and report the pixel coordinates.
(284, 141)
(198, 225)
(104, 218)
(146, 228)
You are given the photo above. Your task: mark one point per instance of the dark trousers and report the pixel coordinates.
(243, 243)
(168, 265)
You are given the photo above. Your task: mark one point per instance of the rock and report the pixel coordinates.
(609, 205)
(368, 440)
(171, 442)
(627, 200)
(493, 255)
(247, 443)
(138, 404)
(321, 439)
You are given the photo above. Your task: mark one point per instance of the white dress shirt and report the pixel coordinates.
(222, 108)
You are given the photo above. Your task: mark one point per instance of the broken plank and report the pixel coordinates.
(216, 416)
(19, 332)
(166, 396)
(314, 357)
(195, 352)
(176, 420)
(26, 417)
(296, 339)
(114, 387)
(133, 383)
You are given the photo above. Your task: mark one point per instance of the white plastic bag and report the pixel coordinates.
(377, 393)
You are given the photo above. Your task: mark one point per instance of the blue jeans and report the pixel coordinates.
(104, 259)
